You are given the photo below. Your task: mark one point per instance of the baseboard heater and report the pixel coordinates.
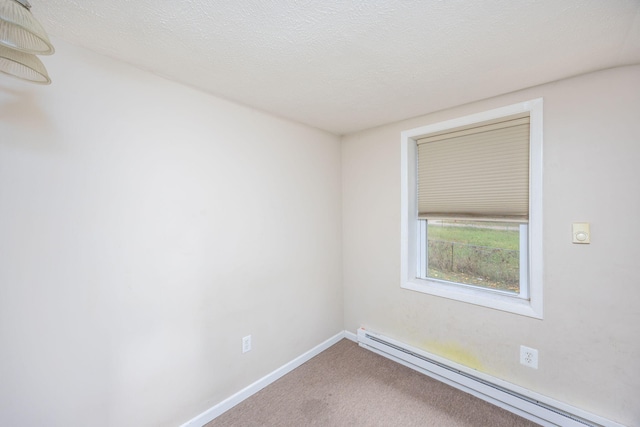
(532, 406)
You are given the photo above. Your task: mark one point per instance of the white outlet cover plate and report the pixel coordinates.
(246, 344)
(529, 357)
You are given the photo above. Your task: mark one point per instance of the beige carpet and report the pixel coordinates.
(349, 386)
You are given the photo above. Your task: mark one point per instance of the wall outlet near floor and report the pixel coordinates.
(529, 357)
(246, 343)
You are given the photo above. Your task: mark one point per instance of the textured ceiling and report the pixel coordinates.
(343, 65)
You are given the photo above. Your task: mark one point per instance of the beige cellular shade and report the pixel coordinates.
(478, 171)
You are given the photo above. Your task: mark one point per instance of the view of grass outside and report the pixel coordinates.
(475, 253)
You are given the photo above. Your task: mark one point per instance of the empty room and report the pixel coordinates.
(340, 213)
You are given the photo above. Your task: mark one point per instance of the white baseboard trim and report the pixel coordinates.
(351, 336)
(251, 389)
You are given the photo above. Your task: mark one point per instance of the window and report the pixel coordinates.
(472, 211)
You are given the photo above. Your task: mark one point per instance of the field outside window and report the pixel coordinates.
(477, 253)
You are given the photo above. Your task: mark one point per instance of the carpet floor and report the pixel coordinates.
(347, 385)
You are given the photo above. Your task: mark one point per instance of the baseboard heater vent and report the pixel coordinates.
(532, 406)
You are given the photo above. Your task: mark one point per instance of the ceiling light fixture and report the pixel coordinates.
(21, 39)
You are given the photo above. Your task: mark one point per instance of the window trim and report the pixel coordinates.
(531, 307)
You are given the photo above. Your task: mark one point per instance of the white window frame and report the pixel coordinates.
(529, 301)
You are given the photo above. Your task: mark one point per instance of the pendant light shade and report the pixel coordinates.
(21, 38)
(23, 65)
(21, 31)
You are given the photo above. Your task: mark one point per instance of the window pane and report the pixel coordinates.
(479, 253)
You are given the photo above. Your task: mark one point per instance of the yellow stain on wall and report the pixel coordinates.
(453, 352)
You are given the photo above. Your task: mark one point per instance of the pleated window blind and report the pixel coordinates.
(479, 171)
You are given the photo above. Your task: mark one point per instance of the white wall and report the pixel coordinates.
(145, 228)
(589, 340)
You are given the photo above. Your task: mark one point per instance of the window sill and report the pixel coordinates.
(485, 298)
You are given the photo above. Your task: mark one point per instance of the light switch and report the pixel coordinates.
(581, 232)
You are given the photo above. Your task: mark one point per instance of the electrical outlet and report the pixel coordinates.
(246, 343)
(529, 357)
